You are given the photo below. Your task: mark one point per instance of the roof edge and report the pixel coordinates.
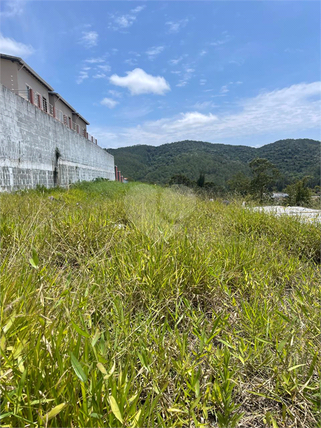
(51, 89)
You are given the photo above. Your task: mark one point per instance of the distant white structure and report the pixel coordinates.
(305, 214)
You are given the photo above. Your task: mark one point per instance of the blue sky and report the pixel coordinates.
(157, 72)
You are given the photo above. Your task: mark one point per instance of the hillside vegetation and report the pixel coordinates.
(219, 162)
(138, 306)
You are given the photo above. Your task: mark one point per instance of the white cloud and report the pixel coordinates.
(12, 8)
(131, 61)
(224, 89)
(287, 110)
(89, 39)
(205, 105)
(11, 47)
(176, 60)
(203, 52)
(203, 82)
(121, 22)
(104, 68)
(154, 51)
(191, 120)
(94, 60)
(99, 76)
(221, 41)
(83, 74)
(138, 9)
(187, 75)
(115, 93)
(125, 21)
(96, 67)
(109, 102)
(139, 82)
(175, 27)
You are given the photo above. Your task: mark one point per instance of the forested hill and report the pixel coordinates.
(219, 162)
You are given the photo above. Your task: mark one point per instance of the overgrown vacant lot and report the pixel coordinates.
(133, 305)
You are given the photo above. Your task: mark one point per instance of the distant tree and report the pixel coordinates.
(299, 193)
(240, 183)
(264, 175)
(201, 180)
(180, 179)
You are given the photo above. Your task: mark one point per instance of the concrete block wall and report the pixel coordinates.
(36, 149)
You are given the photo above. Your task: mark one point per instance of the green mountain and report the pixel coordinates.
(219, 162)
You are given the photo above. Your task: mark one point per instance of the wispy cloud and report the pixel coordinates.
(12, 8)
(93, 68)
(106, 68)
(176, 61)
(224, 90)
(293, 50)
(138, 9)
(99, 76)
(115, 93)
(95, 60)
(176, 26)
(89, 39)
(288, 109)
(131, 61)
(205, 105)
(122, 22)
(12, 47)
(225, 38)
(186, 76)
(154, 51)
(203, 82)
(139, 82)
(203, 52)
(109, 102)
(83, 75)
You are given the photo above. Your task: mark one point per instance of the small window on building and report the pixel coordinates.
(38, 101)
(44, 104)
(28, 93)
(65, 120)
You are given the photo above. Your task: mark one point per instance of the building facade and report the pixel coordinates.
(21, 79)
(43, 139)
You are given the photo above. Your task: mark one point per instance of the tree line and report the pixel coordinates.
(260, 185)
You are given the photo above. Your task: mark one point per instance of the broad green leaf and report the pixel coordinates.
(101, 368)
(115, 408)
(136, 418)
(79, 330)
(34, 261)
(282, 344)
(41, 401)
(4, 415)
(54, 412)
(78, 368)
(175, 410)
(111, 371)
(96, 415)
(295, 367)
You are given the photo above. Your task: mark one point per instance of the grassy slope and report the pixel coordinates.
(144, 307)
(294, 158)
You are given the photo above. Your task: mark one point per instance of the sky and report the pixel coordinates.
(156, 72)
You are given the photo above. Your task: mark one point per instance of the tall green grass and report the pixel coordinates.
(133, 305)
